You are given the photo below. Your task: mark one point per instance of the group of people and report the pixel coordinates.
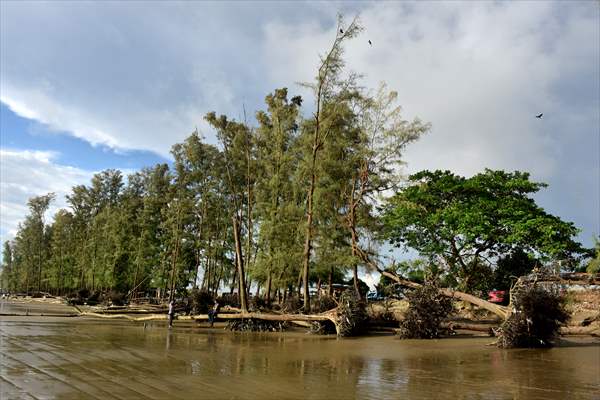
(212, 313)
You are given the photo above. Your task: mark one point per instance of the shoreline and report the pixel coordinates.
(40, 309)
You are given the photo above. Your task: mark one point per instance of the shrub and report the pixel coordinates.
(94, 297)
(116, 298)
(200, 301)
(78, 297)
(256, 325)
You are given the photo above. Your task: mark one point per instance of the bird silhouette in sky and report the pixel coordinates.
(341, 31)
(539, 116)
(370, 43)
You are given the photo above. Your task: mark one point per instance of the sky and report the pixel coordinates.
(86, 86)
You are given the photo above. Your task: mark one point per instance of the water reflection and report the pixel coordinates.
(123, 360)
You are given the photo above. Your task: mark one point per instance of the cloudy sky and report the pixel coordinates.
(89, 86)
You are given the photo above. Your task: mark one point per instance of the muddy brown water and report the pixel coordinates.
(77, 358)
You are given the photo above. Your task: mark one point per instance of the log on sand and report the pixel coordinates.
(580, 330)
(327, 316)
(151, 317)
(487, 328)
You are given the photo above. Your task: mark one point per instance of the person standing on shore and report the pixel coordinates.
(171, 314)
(212, 314)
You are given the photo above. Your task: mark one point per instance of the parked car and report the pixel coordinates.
(374, 296)
(497, 296)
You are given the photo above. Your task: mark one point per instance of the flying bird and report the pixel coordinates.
(539, 116)
(370, 43)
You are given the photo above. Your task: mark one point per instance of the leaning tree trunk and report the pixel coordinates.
(501, 311)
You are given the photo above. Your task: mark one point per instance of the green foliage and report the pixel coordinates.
(593, 266)
(465, 224)
(200, 301)
(511, 267)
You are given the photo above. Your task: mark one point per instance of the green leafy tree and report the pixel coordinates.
(467, 223)
(240, 166)
(63, 253)
(8, 277)
(326, 88)
(150, 264)
(375, 156)
(594, 265)
(277, 206)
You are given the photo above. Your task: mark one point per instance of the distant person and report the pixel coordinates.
(212, 313)
(171, 313)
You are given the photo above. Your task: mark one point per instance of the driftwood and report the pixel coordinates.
(151, 317)
(580, 330)
(327, 316)
(39, 315)
(469, 327)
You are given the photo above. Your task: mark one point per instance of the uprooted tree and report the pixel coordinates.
(427, 309)
(537, 313)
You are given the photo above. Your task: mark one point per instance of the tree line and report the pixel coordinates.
(282, 201)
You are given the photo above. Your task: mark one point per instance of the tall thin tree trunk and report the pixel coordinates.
(330, 291)
(240, 265)
(309, 228)
(137, 268)
(40, 261)
(175, 254)
(299, 284)
(60, 270)
(234, 279)
(268, 298)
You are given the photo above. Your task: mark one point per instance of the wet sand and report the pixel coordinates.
(78, 358)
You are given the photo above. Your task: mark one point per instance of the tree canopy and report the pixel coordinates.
(468, 224)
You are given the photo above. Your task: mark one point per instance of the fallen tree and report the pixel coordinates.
(426, 310)
(499, 310)
(330, 316)
(538, 312)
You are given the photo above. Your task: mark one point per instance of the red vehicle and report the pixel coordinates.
(496, 296)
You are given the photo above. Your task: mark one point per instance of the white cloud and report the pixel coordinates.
(478, 72)
(25, 174)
